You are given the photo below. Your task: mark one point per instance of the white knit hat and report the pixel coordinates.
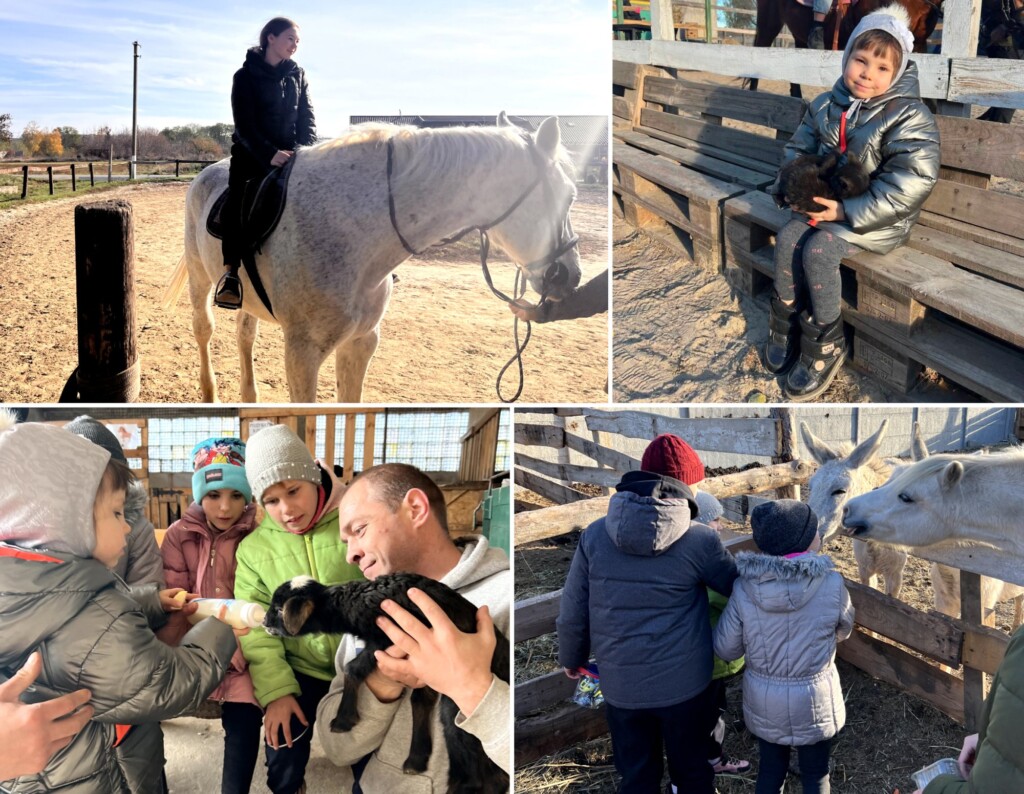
(276, 454)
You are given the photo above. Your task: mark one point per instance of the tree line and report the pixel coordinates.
(185, 142)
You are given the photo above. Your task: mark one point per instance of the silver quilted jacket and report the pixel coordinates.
(787, 615)
(896, 138)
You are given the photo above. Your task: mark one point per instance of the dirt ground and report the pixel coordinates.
(888, 734)
(683, 334)
(444, 337)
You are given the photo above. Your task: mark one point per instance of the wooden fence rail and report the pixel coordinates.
(71, 166)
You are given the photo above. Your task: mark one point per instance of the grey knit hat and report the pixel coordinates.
(97, 433)
(276, 454)
(710, 508)
(785, 526)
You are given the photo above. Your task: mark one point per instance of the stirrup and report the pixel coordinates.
(228, 294)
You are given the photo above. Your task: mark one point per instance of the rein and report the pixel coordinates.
(519, 289)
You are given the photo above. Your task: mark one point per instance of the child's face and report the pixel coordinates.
(223, 508)
(111, 526)
(815, 543)
(284, 45)
(291, 503)
(868, 75)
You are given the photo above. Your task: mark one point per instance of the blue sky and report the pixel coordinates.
(69, 62)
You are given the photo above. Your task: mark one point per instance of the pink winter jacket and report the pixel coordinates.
(203, 562)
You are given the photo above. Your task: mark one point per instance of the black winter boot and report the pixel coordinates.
(229, 289)
(822, 352)
(783, 343)
(816, 36)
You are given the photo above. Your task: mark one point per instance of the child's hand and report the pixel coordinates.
(279, 715)
(833, 210)
(967, 755)
(174, 600)
(573, 674)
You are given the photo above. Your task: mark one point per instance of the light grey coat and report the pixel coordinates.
(786, 616)
(896, 138)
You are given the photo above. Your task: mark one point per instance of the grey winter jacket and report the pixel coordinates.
(786, 615)
(92, 634)
(141, 563)
(636, 595)
(896, 138)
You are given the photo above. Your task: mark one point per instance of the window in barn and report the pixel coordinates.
(171, 440)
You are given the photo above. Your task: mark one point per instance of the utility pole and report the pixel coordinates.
(135, 110)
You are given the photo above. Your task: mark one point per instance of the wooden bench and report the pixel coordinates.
(675, 163)
(952, 299)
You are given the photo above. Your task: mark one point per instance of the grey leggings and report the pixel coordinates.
(808, 259)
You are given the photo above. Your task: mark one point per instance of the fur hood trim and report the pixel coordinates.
(754, 565)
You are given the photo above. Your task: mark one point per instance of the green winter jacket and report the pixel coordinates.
(716, 606)
(266, 559)
(999, 766)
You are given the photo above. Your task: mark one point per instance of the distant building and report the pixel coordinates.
(586, 137)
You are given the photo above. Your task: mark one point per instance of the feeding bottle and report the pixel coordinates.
(237, 614)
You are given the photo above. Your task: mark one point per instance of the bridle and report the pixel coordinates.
(553, 269)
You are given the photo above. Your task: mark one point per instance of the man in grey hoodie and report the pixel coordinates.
(393, 518)
(636, 597)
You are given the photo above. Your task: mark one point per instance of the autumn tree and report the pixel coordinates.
(51, 144)
(31, 139)
(5, 128)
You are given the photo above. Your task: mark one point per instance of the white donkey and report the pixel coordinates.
(327, 266)
(949, 498)
(843, 473)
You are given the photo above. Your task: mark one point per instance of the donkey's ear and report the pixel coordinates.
(918, 449)
(503, 120)
(867, 449)
(952, 474)
(295, 613)
(548, 137)
(819, 450)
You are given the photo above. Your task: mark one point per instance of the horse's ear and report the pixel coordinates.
(503, 120)
(819, 450)
(867, 449)
(952, 474)
(918, 449)
(548, 137)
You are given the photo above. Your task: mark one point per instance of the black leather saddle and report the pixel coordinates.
(262, 204)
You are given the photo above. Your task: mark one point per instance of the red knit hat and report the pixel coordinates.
(673, 457)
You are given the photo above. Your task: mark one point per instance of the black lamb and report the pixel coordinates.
(304, 606)
(831, 176)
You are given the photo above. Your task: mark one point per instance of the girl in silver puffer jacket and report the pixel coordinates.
(875, 112)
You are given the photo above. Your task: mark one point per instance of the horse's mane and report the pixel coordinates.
(931, 466)
(427, 151)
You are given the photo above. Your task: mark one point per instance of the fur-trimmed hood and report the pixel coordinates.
(778, 584)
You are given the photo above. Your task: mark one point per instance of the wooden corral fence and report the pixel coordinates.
(88, 165)
(479, 448)
(547, 720)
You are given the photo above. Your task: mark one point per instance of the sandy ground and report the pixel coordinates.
(683, 334)
(444, 337)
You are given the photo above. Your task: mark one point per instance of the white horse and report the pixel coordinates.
(327, 266)
(843, 473)
(949, 498)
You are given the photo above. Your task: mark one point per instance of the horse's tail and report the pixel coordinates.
(176, 285)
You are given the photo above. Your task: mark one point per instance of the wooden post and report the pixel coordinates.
(108, 363)
(49, 175)
(24, 181)
(785, 429)
(961, 20)
(177, 168)
(662, 28)
(110, 165)
(92, 176)
(73, 187)
(975, 685)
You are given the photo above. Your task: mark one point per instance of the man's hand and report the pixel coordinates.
(449, 661)
(279, 715)
(31, 733)
(833, 210)
(525, 310)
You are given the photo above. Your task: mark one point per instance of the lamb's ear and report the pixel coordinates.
(295, 613)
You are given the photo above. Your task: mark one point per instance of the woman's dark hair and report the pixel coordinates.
(275, 27)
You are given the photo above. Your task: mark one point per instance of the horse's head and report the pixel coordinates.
(538, 233)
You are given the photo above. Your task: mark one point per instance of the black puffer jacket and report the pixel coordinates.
(271, 106)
